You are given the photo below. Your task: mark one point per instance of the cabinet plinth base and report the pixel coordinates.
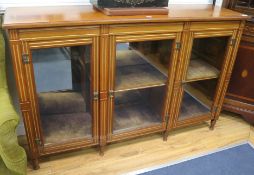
(246, 110)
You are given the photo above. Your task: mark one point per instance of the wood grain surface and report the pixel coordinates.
(199, 69)
(46, 27)
(27, 17)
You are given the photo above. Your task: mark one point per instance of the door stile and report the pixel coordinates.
(24, 95)
(175, 103)
(222, 81)
(171, 79)
(31, 89)
(237, 36)
(182, 74)
(95, 87)
(183, 65)
(103, 94)
(112, 74)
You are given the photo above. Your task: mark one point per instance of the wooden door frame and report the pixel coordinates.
(21, 44)
(183, 65)
(115, 38)
(27, 49)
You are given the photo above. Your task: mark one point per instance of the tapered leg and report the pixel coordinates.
(102, 150)
(165, 136)
(35, 164)
(213, 122)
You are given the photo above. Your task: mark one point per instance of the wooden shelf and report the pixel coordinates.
(200, 70)
(133, 72)
(132, 116)
(127, 57)
(64, 117)
(191, 108)
(61, 128)
(153, 59)
(137, 109)
(198, 95)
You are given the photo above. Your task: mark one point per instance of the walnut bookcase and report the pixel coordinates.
(86, 79)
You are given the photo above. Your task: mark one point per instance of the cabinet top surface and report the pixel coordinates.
(30, 17)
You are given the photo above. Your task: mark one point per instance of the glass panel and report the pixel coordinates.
(207, 57)
(140, 85)
(243, 3)
(138, 108)
(252, 4)
(206, 61)
(62, 77)
(197, 99)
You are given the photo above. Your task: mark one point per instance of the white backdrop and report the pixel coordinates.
(7, 3)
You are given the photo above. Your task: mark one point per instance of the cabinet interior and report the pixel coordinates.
(199, 87)
(137, 109)
(198, 98)
(62, 78)
(245, 4)
(140, 84)
(207, 58)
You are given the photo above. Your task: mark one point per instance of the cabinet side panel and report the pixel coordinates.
(237, 35)
(103, 59)
(21, 82)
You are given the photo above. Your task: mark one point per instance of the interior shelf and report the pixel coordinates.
(65, 127)
(64, 117)
(153, 59)
(191, 108)
(198, 95)
(128, 117)
(200, 70)
(133, 72)
(200, 84)
(137, 109)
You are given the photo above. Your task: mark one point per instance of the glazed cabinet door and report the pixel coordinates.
(63, 85)
(141, 72)
(202, 79)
